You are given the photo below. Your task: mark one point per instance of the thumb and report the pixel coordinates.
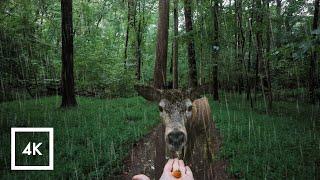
(188, 171)
(140, 177)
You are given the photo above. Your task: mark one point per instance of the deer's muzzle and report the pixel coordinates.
(176, 140)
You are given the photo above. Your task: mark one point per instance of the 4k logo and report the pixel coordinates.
(35, 149)
(27, 147)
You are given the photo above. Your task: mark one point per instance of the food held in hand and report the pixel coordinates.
(176, 173)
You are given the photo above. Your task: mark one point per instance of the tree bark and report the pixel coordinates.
(288, 18)
(313, 60)
(278, 7)
(239, 43)
(191, 51)
(279, 22)
(160, 67)
(248, 70)
(175, 47)
(201, 74)
(259, 24)
(267, 61)
(215, 49)
(139, 42)
(127, 39)
(130, 26)
(126, 48)
(68, 96)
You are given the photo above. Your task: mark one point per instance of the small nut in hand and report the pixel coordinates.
(176, 173)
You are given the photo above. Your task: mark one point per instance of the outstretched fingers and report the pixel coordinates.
(175, 165)
(188, 171)
(182, 167)
(168, 166)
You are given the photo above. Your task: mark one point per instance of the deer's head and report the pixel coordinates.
(175, 108)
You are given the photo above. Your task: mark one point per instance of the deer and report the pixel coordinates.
(185, 117)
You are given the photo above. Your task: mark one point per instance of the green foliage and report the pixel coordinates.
(30, 45)
(90, 141)
(284, 144)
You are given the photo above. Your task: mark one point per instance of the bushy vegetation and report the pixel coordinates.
(105, 65)
(268, 50)
(92, 139)
(284, 144)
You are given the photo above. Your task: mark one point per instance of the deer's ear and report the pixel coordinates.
(148, 92)
(197, 92)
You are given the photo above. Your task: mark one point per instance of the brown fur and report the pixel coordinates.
(201, 114)
(175, 112)
(199, 127)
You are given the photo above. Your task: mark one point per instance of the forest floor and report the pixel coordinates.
(285, 143)
(143, 158)
(102, 138)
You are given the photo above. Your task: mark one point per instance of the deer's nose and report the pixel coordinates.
(176, 138)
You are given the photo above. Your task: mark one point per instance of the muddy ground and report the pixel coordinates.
(148, 157)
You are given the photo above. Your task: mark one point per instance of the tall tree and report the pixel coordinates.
(248, 69)
(289, 16)
(201, 23)
(130, 28)
(191, 50)
(278, 23)
(215, 49)
(175, 46)
(139, 33)
(267, 78)
(68, 96)
(240, 40)
(313, 60)
(160, 67)
(259, 51)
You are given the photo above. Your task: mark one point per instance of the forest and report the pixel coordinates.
(73, 65)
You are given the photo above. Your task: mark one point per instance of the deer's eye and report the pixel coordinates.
(189, 108)
(160, 108)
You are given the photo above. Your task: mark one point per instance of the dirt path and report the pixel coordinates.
(148, 157)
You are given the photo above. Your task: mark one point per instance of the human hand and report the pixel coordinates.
(166, 175)
(140, 177)
(186, 173)
(174, 165)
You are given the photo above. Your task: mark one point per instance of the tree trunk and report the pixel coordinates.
(239, 43)
(278, 22)
(215, 49)
(248, 70)
(289, 17)
(313, 61)
(67, 80)
(267, 61)
(259, 24)
(138, 43)
(175, 46)
(160, 67)
(127, 39)
(201, 74)
(278, 7)
(130, 26)
(191, 51)
(126, 48)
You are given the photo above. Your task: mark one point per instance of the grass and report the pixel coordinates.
(282, 145)
(92, 139)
